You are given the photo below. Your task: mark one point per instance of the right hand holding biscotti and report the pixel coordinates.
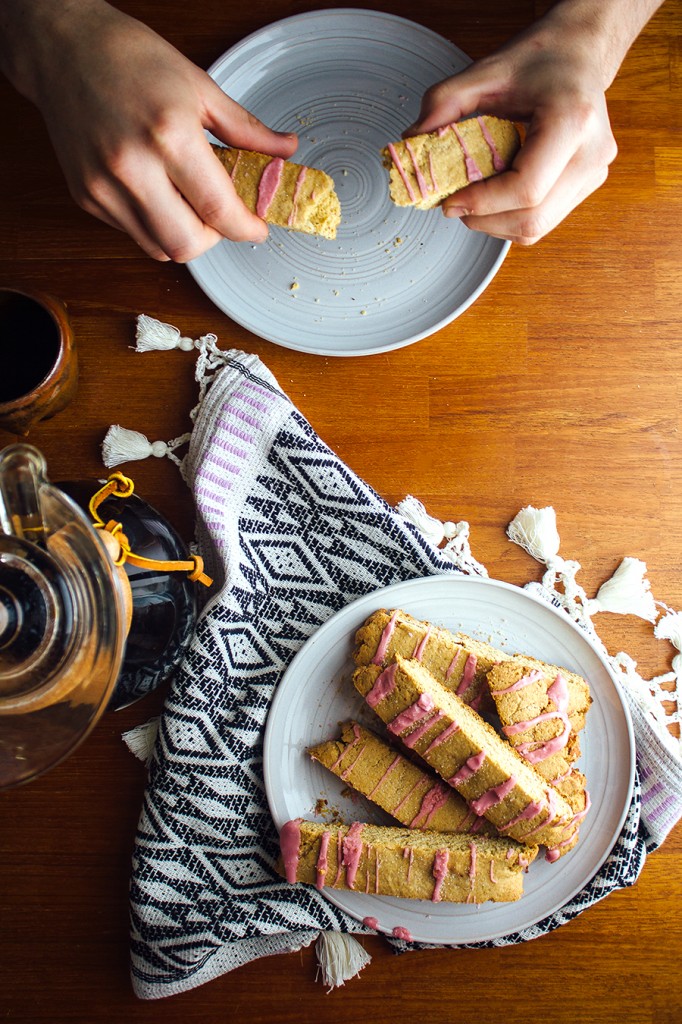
(553, 79)
(126, 113)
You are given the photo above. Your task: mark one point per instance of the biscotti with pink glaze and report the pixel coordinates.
(405, 863)
(468, 754)
(458, 661)
(283, 193)
(542, 710)
(425, 169)
(414, 796)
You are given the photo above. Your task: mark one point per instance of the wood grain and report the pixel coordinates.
(561, 386)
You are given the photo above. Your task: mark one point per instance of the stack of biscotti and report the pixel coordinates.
(283, 193)
(456, 660)
(414, 796)
(470, 755)
(401, 862)
(425, 169)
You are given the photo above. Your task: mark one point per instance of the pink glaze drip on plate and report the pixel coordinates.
(401, 933)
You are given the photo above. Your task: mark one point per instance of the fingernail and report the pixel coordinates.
(455, 211)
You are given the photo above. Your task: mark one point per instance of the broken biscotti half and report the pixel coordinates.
(469, 755)
(283, 193)
(425, 169)
(456, 660)
(403, 862)
(415, 797)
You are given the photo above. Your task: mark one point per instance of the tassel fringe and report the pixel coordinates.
(456, 535)
(340, 956)
(153, 335)
(140, 741)
(124, 445)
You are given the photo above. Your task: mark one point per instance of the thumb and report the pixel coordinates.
(236, 126)
(463, 94)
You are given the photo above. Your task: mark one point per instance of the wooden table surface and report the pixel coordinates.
(561, 386)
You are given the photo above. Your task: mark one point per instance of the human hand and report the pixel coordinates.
(126, 113)
(552, 80)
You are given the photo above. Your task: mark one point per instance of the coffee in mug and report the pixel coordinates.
(37, 357)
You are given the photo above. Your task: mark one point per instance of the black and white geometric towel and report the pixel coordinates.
(290, 535)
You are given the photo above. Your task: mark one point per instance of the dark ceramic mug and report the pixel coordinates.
(39, 366)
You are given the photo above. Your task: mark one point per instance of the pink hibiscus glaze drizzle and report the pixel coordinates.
(322, 862)
(385, 639)
(472, 168)
(352, 851)
(290, 843)
(432, 801)
(423, 187)
(297, 191)
(423, 781)
(473, 854)
(268, 185)
(383, 686)
(409, 853)
(371, 922)
(401, 171)
(520, 684)
(418, 653)
(449, 731)
(558, 694)
(469, 768)
(411, 716)
(493, 796)
(467, 675)
(236, 162)
(453, 663)
(413, 737)
(439, 870)
(356, 739)
(394, 764)
(401, 933)
(498, 163)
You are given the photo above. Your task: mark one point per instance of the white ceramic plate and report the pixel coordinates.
(316, 694)
(348, 82)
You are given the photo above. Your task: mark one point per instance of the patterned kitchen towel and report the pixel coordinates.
(290, 535)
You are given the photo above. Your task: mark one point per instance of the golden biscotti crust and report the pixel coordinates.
(467, 752)
(414, 796)
(425, 169)
(406, 863)
(458, 661)
(303, 200)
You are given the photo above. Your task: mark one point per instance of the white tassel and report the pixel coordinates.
(669, 627)
(153, 335)
(458, 549)
(535, 530)
(340, 957)
(626, 593)
(123, 445)
(413, 510)
(140, 740)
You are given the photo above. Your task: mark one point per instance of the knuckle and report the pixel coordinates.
(532, 227)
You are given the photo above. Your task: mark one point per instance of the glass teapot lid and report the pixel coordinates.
(62, 620)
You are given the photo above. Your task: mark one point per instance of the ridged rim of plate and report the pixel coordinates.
(348, 81)
(315, 694)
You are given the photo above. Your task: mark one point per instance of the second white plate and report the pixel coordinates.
(316, 694)
(348, 82)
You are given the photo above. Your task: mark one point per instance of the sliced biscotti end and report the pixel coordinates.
(406, 863)
(467, 752)
(425, 169)
(414, 796)
(283, 193)
(542, 708)
(456, 660)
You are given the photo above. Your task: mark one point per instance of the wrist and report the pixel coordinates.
(604, 29)
(30, 33)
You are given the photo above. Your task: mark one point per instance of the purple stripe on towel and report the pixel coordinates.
(227, 447)
(224, 425)
(246, 418)
(652, 815)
